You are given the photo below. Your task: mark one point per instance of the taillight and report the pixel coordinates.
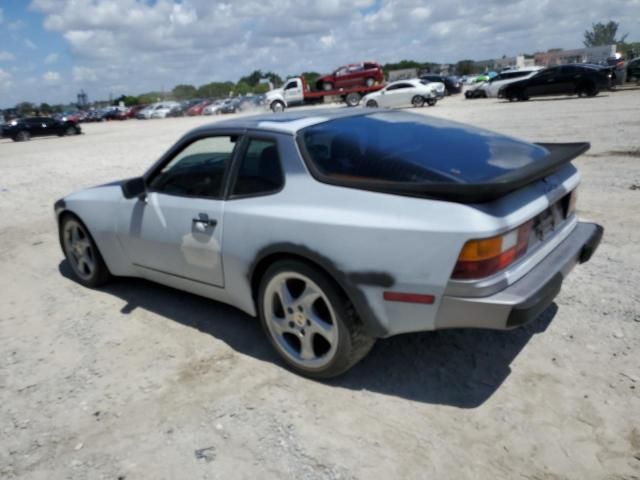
(484, 257)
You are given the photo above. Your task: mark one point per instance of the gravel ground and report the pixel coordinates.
(138, 381)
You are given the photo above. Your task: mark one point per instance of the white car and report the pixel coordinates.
(162, 109)
(490, 89)
(214, 108)
(404, 93)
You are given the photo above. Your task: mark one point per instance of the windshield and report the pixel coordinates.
(403, 147)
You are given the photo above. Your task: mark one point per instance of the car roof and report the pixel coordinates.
(285, 122)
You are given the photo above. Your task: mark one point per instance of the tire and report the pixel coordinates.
(372, 104)
(22, 136)
(315, 329)
(326, 86)
(417, 101)
(369, 82)
(467, 94)
(352, 99)
(432, 102)
(277, 106)
(82, 253)
(70, 131)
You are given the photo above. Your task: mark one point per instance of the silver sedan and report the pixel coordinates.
(339, 227)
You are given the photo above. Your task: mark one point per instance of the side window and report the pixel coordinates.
(291, 85)
(198, 170)
(260, 171)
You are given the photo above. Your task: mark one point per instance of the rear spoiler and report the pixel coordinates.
(559, 155)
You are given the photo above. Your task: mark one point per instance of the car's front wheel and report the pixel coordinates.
(82, 253)
(326, 86)
(22, 136)
(70, 131)
(369, 82)
(308, 320)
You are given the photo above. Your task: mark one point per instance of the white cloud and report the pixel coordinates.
(51, 59)
(6, 56)
(5, 80)
(84, 74)
(142, 45)
(51, 78)
(30, 44)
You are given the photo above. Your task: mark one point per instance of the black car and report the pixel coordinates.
(25, 128)
(581, 80)
(231, 106)
(633, 70)
(451, 84)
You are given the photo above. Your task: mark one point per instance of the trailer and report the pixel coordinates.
(297, 92)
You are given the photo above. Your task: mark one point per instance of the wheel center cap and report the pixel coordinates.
(299, 319)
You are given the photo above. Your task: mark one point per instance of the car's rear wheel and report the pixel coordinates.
(372, 104)
(432, 101)
(70, 131)
(369, 82)
(82, 253)
(308, 320)
(417, 101)
(352, 99)
(22, 136)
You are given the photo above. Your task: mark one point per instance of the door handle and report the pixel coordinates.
(204, 220)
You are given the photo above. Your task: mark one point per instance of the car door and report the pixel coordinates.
(398, 95)
(176, 231)
(545, 83)
(35, 126)
(293, 93)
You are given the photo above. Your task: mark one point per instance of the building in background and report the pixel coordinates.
(83, 100)
(504, 63)
(579, 55)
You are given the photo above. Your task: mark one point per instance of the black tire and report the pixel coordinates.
(70, 131)
(432, 102)
(467, 95)
(352, 343)
(417, 101)
(326, 86)
(352, 99)
(22, 136)
(369, 82)
(372, 104)
(100, 274)
(276, 106)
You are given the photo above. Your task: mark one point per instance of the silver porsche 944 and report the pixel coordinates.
(339, 227)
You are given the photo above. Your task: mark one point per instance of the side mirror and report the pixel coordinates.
(134, 187)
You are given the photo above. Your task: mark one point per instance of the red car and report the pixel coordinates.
(198, 108)
(352, 75)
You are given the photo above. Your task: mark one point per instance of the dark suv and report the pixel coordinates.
(352, 75)
(581, 80)
(451, 84)
(25, 128)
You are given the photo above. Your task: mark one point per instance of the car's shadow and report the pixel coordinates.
(461, 368)
(555, 99)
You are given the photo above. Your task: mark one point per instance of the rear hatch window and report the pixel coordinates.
(401, 152)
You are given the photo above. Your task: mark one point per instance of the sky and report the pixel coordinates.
(51, 49)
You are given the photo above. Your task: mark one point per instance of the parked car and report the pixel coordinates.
(213, 108)
(24, 129)
(491, 88)
(231, 105)
(181, 109)
(146, 112)
(404, 93)
(452, 84)
(581, 80)
(352, 75)
(198, 108)
(340, 226)
(163, 109)
(633, 70)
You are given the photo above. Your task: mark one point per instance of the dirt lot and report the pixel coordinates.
(138, 381)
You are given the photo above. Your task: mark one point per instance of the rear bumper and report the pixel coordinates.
(528, 297)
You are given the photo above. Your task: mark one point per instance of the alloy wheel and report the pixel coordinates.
(79, 249)
(301, 320)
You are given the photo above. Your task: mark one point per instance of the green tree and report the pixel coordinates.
(184, 92)
(25, 108)
(215, 89)
(128, 100)
(465, 67)
(45, 109)
(254, 78)
(310, 77)
(603, 34)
